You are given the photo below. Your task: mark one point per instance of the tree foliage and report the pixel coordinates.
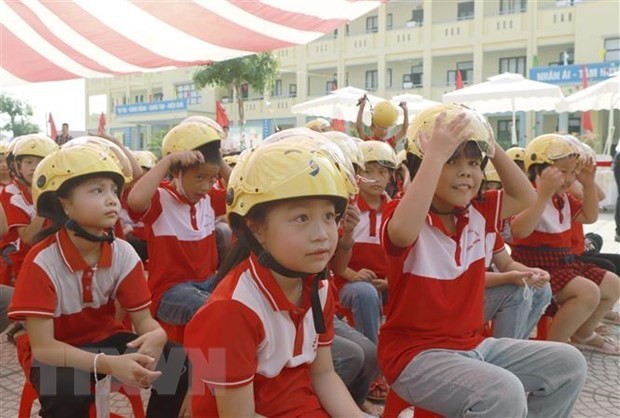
(18, 113)
(259, 71)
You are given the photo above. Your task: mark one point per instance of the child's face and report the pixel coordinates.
(197, 181)
(568, 166)
(378, 132)
(301, 234)
(459, 182)
(380, 175)
(94, 204)
(4, 167)
(26, 166)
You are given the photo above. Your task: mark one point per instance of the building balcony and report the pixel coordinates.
(364, 44)
(404, 40)
(258, 108)
(321, 50)
(452, 34)
(556, 23)
(505, 27)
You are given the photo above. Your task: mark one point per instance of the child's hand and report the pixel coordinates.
(362, 101)
(151, 344)
(186, 158)
(587, 174)
(133, 369)
(549, 182)
(446, 137)
(351, 218)
(364, 275)
(403, 106)
(540, 277)
(380, 284)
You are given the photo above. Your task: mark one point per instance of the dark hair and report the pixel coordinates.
(210, 153)
(534, 170)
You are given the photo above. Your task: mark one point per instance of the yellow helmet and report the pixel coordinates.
(348, 145)
(231, 160)
(36, 145)
(401, 157)
(4, 147)
(206, 121)
(283, 170)
(319, 125)
(114, 152)
(481, 130)
(516, 153)
(146, 159)
(384, 114)
(586, 153)
(490, 174)
(547, 148)
(67, 164)
(379, 152)
(312, 139)
(188, 136)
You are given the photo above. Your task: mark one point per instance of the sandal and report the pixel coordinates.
(378, 390)
(612, 317)
(609, 346)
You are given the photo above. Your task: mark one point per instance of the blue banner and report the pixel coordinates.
(571, 74)
(266, 128)
(151, 107)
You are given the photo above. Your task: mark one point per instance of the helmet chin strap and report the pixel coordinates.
(82, 233)
(455, 211)
(178, 184)
(266, 260)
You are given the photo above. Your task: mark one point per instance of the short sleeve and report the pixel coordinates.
(329, 310)
(218, 201)
(34, 295)
(132, 292)
(490, 206)
(223, 339)
(16, 212)
(390, 249)
(151, 214)
(575, 206)
(499, 244)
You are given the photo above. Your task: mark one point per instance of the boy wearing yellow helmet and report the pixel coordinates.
(67, 290)
(384, 116)
(434, 238)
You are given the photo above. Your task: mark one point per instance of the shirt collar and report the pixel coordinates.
(272, 291)
(169, 186)
(364, 207)
(462, 219)
(24, 190)
(72, 257)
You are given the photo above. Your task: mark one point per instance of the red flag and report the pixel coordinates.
(339, 125)
(586, 119)
(53, 130)
(101, 127)
(459, 80)
(220, 115)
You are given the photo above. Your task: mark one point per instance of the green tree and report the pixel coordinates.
(259, 71)
(18, 113)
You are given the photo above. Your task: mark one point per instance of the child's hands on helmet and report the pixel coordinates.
(549, 181)
(185, 158)
(587, 173)
(446, 137)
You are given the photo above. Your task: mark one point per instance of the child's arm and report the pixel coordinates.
(406, 222)
(27, 233)
(514, 272)
(152, 338)
(330, 390)
(518, 192)
(235, 402)
(4, 227)
(342, 256)
(403, 129)
(589, 209)
(548, 182)
(359, 123)
(136, 170)
(129, 368)
(141, 194)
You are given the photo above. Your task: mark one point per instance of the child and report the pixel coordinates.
(271, 314)
(180, 220)
(22, 221)
(384, 116)
(542, 237)
(430, 347)
(517, 154)
(67, 288)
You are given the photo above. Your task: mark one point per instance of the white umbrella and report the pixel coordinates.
(507, 92)
(415, 103)
(338, 104)
(600, 96)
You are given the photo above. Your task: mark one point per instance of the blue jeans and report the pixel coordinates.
(492, 380)
(355, 360)
(179, 303)
(365, 304)
(514, 311)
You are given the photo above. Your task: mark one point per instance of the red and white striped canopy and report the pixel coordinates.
(58, 40)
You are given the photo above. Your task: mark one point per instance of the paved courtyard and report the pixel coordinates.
(600, 397)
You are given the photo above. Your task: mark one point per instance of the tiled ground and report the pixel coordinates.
(599, 398)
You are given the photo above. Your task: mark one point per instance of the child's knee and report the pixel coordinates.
(610, 287)
(585, 292)
(504, 397)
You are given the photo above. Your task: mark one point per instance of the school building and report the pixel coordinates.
(405, 46)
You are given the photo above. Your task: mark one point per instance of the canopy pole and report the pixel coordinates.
(610, 127)
(514, 124)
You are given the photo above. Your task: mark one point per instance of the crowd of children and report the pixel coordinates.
(319, 273)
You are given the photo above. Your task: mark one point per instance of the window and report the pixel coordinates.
(189, 92)
(331, 86)
(574, 125)
(417, 17)
(612, 49)
(388, 21)
(465, 10)
(567, 57)
(245, 91)
(388, 78)
(407, 83)
(139, 98)
(512, 6)
(371, 79)
(416, 74)
(158, 97)
(292, 90)
(467, 73)
(277, 88)
(504, 132)
(512, 65)
(372, 24)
